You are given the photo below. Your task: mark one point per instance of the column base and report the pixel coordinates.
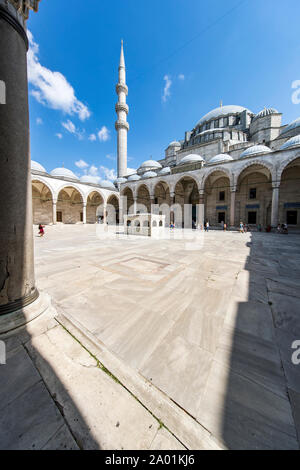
(24, 315)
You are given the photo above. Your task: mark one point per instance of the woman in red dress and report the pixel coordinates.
(41, 230)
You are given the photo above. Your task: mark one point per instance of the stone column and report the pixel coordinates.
(275, 204)
(84, 212)
(172, 203)
(17, 282)
(105, 213)
(201, 210)
(232, 206)
(54, 214)
(134, 204)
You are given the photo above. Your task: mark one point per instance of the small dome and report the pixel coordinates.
(64, 173)
(192, 158)
(174, 144)
(120, 180)
(221, 157)
(89, 179)
(131, 171)
(37, 167)
(255, 150)
(165, 171)
(106, 184)
(291, 127)
(149, 174)
(291, 143)
(265, 112)
(150, 164)
(133, 177)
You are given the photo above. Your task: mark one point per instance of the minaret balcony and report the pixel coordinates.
(122, 107)
(120, 124)
(122, 87)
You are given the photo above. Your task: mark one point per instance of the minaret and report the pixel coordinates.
(122, 126)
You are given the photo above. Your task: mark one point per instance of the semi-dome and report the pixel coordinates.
(64, 173)
(175, 143)
(265, 112)
(222, 111)
(291, 143)
(255, 150)
(192, 158)
(133, 178)
(37, 167)
(149, 174)
(107, 184)
(295, 125)
(165, 171)
(89, 179)
(220, 158)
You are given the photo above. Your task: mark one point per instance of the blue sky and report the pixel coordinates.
(241, 52)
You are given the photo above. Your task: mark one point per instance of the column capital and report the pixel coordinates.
(201, 192)
(275, 185)
(233, 189)
(19, 9)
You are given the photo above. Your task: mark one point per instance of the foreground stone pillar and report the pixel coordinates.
(201, 210)
(17, 283)
(54, 213)
(84, 213)
(232, 207)
(275, 204)
(134, 204)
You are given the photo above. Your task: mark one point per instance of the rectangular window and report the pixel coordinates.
(59, 216)
(221, 217)
(216, 124)
(81, 216)
(252, 217)
(292, 217)
(252, 193)
(222, 196)
(225, 122)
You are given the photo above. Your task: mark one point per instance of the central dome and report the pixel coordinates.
(222, 111)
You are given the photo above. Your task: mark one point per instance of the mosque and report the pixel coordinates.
(234, 165)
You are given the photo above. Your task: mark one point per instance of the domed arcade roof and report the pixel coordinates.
(106, 184)
(149, 174)
(191, 158)
(291, 143)
(37, 167)
(133, 178)
(255, 150)
(220, 158)
(222, 111)
(165, 171)
(64, 172)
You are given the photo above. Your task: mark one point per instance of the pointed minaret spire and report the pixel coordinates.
(122, 110)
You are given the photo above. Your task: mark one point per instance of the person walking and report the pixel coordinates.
(41, 230)
(241, 227)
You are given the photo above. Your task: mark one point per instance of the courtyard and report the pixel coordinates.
(205, 324)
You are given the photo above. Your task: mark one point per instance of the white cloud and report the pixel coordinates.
(52, 89)
(39, 121)
(167, 92)
(92, 137)
(81, 164)
(103, 134)
(181, 76)
(93, 170)
(107, 173)
(59, 135)
(69, 126)
(130, 171)
(111, 157)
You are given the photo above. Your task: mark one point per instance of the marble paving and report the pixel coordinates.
(209, 321)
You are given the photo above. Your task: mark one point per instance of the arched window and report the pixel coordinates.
(154, 223)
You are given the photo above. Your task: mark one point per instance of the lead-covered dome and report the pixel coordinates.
(64, 173)
(221, 158)
(165, 171)
(37, 167)
(150, 164)
(221, 112)
(174, 144)
(291, 143)
(295, 125)
(255, 150)
(134, 177)
(120, 180)
(191, 158)
(107, 184)
(265, 112)
(149, 174)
